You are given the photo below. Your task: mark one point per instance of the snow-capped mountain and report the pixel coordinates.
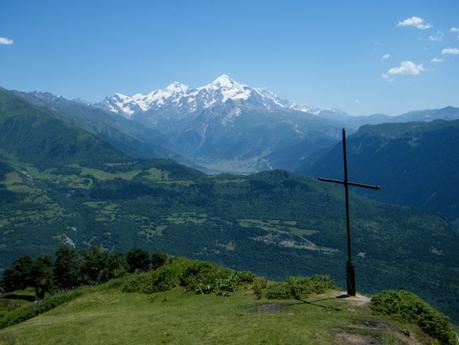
(180, 100)
(229, 126)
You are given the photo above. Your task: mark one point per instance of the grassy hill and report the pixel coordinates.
(64, 185)
(134, 310)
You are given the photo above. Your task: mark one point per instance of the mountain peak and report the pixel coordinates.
(224, 81)
(177, 86)
(178, 98)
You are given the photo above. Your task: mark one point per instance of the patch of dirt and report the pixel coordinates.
(269, 308)
(373, 324)
(405, 337)
(356, 339)
(357, 300)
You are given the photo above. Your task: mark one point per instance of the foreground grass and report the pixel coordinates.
(180, 317)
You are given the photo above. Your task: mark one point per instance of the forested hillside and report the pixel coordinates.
(417, 163)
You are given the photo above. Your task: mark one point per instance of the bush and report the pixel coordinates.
(201, 274)
(138, 260)
(164, 279)
(279, 291)
(223, 287)
(301, 287)
(408, 307)
(244, 277)
(197, 276)
(134, 282)
(158, 259)
(258, 285)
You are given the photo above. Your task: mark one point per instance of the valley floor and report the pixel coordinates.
(180, 317)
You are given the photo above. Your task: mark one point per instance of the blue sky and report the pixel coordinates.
(323, 53)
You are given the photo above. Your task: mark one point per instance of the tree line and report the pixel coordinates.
(71, 268)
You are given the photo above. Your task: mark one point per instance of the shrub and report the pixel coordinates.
(223, 287)
(244, 277)
(164, 279)
(158, 259)
(301, 287)
(138, 260)
(202, 289)
(258, 285)
(200, 274)
(279, 291)
(134, 282)
(408, 307)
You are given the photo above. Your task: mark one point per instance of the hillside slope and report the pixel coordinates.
(169, 306)
(417, 163)
(72, 188)
(127, 136)
(181, 318)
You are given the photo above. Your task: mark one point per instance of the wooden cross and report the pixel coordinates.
(350, 270)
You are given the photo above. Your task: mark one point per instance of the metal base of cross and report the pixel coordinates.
(350, 278)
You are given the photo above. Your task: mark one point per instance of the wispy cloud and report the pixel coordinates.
(416, 22)
(406, 67)
(385, 56)
(450, 51)
(6, 41)
(454, 30)
(438, 37)
(436, 60)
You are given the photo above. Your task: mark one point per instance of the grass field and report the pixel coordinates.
(180, 317)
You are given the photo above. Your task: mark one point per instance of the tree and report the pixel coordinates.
(138, 260)
(94, 262)
(158, 259)
(17, 276)
(67, 269)
(42, 276)
(115, 266)
(100, 265)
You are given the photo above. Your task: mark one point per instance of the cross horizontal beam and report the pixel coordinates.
(356, 184)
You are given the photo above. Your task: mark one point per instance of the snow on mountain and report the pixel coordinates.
(182, 100)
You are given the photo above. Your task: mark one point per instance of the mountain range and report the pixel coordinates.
(227, 126)
(224, 126)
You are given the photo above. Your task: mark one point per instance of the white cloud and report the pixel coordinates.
(450, 51)
(406, 67)
(385, 56)
(438, 37)
(436, 60)
(6, 41)
(455, 31)
(418, 23)
(387, 77)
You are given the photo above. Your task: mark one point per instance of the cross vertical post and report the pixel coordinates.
(350, 270)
